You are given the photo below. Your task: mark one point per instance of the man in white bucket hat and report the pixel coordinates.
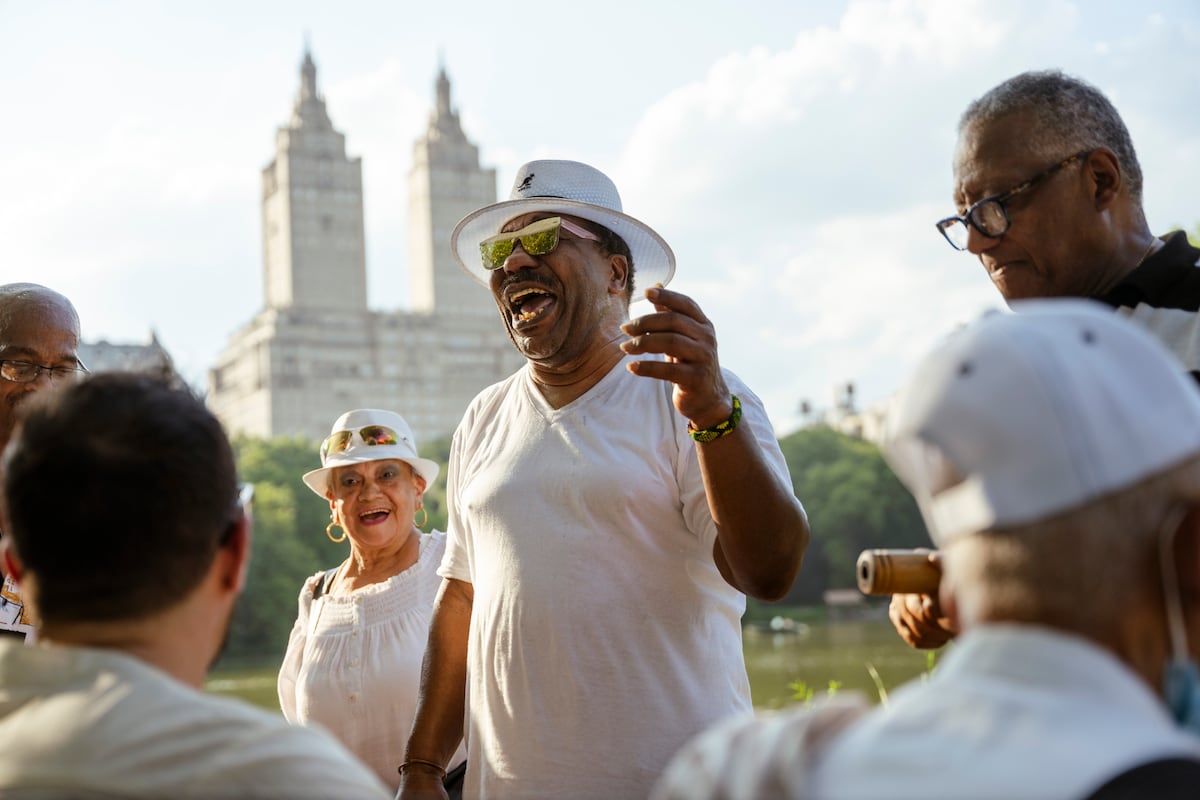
(604, 528)
(1055, 456)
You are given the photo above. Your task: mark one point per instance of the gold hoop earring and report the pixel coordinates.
(424, 517)
(329, 532)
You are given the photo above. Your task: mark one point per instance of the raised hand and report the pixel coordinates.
(679, 330)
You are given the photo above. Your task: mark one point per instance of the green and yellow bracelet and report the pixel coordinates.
(721, 428)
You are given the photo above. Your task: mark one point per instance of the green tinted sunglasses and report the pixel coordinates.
(537, 239)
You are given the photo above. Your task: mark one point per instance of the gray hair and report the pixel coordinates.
(1079, 571)
(1071, 115)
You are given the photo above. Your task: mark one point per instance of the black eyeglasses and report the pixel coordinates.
(990, 216)
(28, 372)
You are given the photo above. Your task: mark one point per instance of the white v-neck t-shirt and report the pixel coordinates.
(602, 635)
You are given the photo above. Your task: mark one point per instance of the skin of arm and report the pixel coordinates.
(762, 530)
(438, 724)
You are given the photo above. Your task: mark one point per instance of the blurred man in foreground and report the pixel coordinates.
(125, 531)
(1055, 455)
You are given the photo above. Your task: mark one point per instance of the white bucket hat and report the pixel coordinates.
(1018, 417)
(358, 449)
(579, 190)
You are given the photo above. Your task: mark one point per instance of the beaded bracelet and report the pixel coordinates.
(721, 428)
(415, 762)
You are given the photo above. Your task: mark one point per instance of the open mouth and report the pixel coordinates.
(374, 516)
(528, 304)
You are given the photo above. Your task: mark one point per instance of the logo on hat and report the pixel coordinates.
(525, 184)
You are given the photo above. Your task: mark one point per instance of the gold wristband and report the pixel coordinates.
(421, 762)
(721, 428)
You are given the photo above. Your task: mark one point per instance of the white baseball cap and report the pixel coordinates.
(368, 434)
(578, 190)
(1018, 417)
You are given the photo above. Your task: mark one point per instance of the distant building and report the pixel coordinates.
(315, 350)
(867, 424)
(845, 417)
(103, 356)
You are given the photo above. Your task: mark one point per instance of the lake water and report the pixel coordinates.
(863, 655)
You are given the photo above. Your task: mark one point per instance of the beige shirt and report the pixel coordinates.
(78, 722)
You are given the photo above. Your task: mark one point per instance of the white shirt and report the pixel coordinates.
(353, 661)
(80, 722)
(602, 635)
(1010, 712)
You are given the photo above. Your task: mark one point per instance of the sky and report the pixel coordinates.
(795, 154)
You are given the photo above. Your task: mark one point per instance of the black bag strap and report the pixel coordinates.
(326, 577)
(453, 782)
(1165, 779)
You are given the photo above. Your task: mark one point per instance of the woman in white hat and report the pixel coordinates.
(353, 661)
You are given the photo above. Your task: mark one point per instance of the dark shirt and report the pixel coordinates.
(1163, 295)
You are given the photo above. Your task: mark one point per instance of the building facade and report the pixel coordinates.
(105, 356)
(316, 350)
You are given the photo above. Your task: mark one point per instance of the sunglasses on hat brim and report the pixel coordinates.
(370, 435)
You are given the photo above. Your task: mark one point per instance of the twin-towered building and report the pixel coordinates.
(316, 349)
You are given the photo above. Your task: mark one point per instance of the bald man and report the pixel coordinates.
(39, 342)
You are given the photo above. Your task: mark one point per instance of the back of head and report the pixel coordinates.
(118, 492)
(1045, 448)
(1069, 115)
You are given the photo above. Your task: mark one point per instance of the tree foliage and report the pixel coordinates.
(853, 500)
(854, 503)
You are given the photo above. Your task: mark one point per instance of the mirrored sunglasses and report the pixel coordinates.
(537, 239)
(370, 435)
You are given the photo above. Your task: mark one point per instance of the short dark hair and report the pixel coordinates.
(1071, 115)
(613, 245)
(119, 491)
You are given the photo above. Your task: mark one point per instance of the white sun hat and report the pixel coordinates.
(575, 189)
(1018, 417)
(358, 448)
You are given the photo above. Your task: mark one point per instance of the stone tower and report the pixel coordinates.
(314, 246)
(445, 184)
(315, 350)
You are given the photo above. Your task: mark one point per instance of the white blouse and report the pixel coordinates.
(353, 662)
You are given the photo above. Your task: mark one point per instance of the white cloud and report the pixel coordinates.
(799, 186)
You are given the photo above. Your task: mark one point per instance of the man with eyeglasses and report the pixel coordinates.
(39, 339)
(610, 506)
(1049, 195)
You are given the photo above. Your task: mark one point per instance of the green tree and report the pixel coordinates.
(854, 502)
(435, 495)
(288, 542)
